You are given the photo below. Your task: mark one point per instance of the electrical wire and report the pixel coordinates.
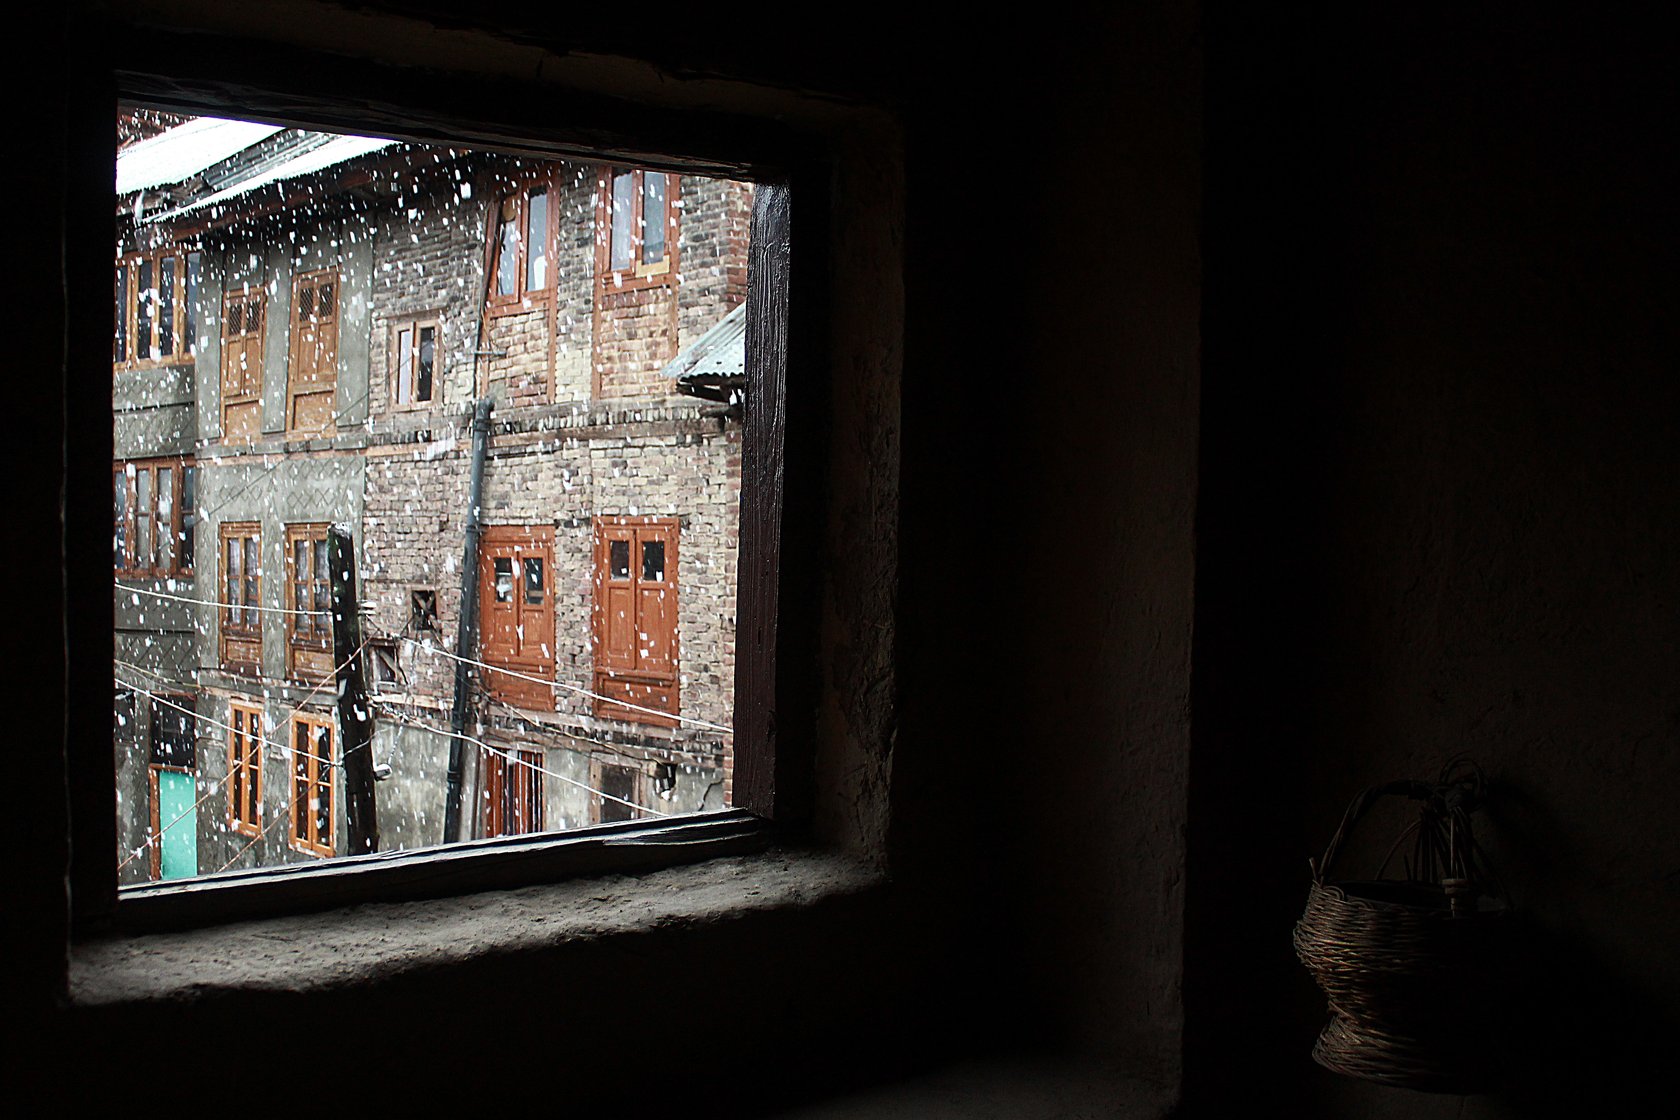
(197, 718)
(580, 690)
(465, 738)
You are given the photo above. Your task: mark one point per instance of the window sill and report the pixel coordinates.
(378, 941)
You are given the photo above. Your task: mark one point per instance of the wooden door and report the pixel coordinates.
(516, 612)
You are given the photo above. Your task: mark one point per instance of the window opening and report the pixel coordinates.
(577, 645)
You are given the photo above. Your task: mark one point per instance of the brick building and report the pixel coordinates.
(305, 323)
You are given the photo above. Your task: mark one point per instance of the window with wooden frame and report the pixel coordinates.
(635, 619)
(312, 367)
(636, 226)
(513, 792)
(257, 889)
(309, 637)
(619, 792)
(312, 784)
(155, 519)
(156, 297)
(516, 613)
(240, 558)
(245, 755)
(414, 359)
(243, 313)
(520, 255)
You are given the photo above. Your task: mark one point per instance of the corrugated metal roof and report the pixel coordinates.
(720, 352)
(339, 149)
(181, 152)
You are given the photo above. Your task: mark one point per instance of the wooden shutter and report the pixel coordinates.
(313, 374)
(516, 612)
(635, 619)
(242, 365)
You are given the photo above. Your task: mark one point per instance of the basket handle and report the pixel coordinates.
(1416, 791)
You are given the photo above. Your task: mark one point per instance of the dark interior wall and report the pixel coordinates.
(1440, 464)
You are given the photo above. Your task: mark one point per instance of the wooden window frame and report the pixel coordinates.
(239, 342)
(183, 322)
(245, 757)
(639, 275)
(183, 523)
(302, 640)
(779, 562)
(395, 356)
(248, 631)
(518, 191)
(304, 770)
(502, 797)
(645, 688)
(326, 384)
(597, 783)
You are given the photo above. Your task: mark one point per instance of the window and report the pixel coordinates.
(522, 248)
(635, 631)
(245, 768)
(516, 612)
(312, 784)
(620, 790)
(241, 585)
(312, 379)
(156, 297)
(155, 517)
(422, 610)
(513, 792)
(636, 227)
(414, 349)
(309, 637)
(242, 364)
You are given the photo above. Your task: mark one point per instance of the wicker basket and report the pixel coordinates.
(1403, 961)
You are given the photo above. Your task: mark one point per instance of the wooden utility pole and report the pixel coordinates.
(355, 716)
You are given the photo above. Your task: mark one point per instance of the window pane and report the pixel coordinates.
(143, 296)
(119, 350)
(166, 306)
(653, 216)
(119, 541)
(166, 518)
(191, 341)
(619, 564)
(533, 579)
(423, 379)
(143, 519)
(623, 213)
(504, 579)
(507, 253)
(405, 365)
(653, 561)
(253, 571)
(189, 515)
(536, 244)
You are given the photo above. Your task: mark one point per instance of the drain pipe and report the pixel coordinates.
(466, 634)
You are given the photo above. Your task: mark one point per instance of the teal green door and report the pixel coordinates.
(179, 850)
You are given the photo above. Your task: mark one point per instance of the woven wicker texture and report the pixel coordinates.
(1402, 961)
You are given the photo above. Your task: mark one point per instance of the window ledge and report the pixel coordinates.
(377, 941)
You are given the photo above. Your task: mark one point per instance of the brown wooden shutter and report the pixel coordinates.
(313, 374)
(242, 365)
(516, 612)
(635, 619)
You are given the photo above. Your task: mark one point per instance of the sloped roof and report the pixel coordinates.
(179, 153)
(716, 362)
(338, 149)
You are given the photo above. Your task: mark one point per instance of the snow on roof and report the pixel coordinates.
(720, 352)
(336, 150)
(183, 151)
